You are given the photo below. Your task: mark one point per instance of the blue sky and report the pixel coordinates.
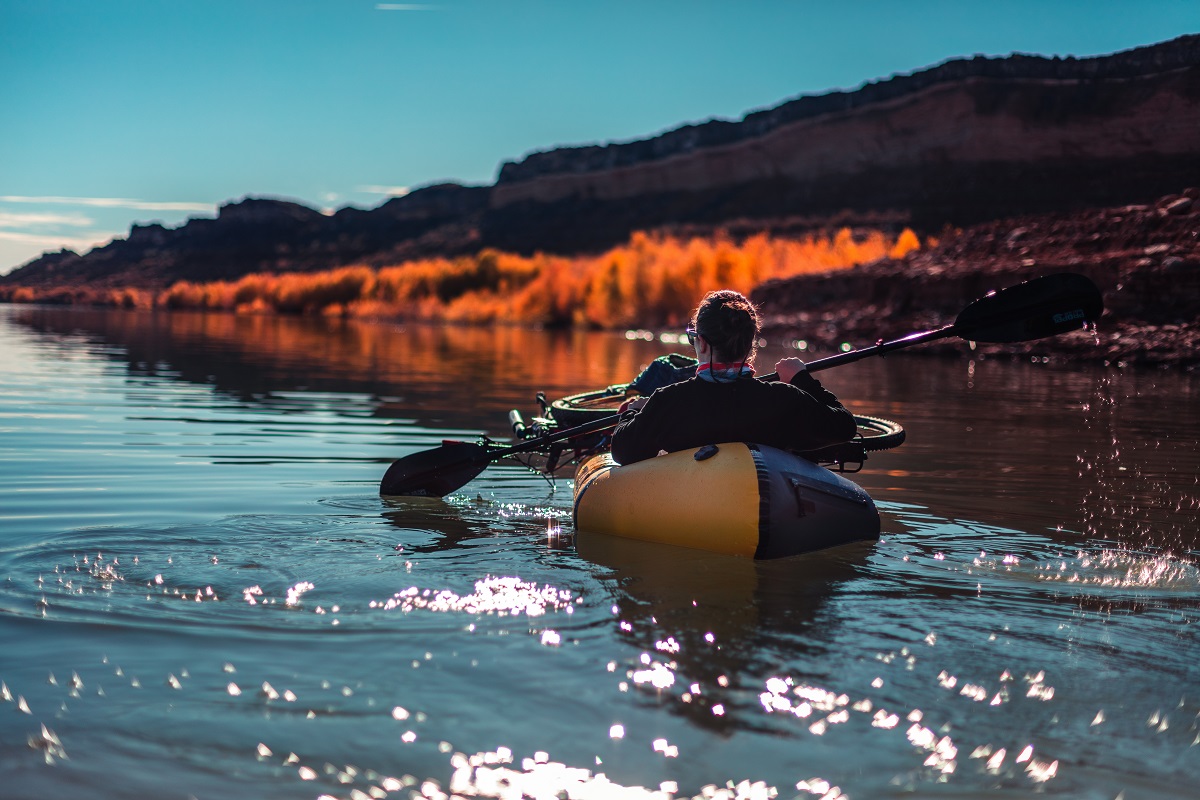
(116, 111)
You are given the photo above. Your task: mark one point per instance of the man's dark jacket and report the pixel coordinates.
(801, 415)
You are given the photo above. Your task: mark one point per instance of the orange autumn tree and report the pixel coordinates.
(653, 279)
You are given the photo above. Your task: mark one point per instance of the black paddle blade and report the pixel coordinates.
(1038, 308)
(436, 472)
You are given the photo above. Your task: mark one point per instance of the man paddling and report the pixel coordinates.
(723, 402)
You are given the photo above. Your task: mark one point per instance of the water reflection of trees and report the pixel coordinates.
(438, 375)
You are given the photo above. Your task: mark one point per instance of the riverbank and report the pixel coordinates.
(652, 280)
(1144, 258)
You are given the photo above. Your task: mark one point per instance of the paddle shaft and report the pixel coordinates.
(880, 349)
(595, 426)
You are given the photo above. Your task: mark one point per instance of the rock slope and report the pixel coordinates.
(1144, 258)
(958, 143)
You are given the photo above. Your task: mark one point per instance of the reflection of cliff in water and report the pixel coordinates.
(725, 621)
(437, 375)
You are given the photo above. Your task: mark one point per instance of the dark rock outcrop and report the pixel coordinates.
(1144, 258)
(266, 235)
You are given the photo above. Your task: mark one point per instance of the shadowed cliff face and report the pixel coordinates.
(1010, 85)
(960, 143)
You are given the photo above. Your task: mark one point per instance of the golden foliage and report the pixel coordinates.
(651, 280)
(906, 243)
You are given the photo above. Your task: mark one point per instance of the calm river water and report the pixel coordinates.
(202, 595)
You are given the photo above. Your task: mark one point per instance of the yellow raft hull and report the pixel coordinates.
(745, 500)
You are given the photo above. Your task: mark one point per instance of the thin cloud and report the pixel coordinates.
(108, 202)
(76, 243)
(404, 7)
(394, 191)
(9, 219)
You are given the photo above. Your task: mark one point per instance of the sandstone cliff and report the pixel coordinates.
(961, 142)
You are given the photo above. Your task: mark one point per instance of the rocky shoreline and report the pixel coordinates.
(1144, 258)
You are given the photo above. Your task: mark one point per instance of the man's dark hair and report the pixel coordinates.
(729, 323)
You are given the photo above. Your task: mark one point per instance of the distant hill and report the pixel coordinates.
(264, 235)
(962, 142)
